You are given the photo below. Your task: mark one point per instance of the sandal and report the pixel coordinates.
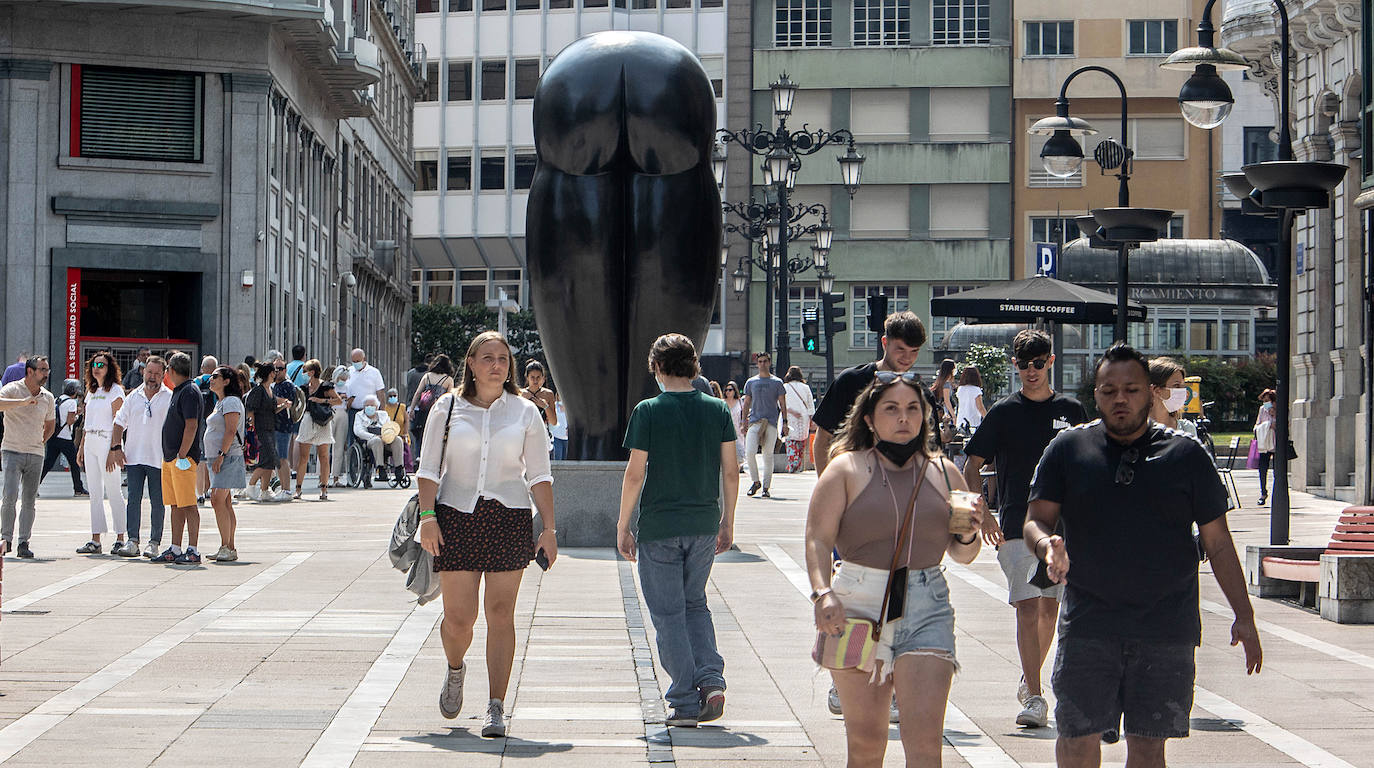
(297, 497)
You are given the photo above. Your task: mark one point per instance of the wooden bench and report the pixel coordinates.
(1354, 535)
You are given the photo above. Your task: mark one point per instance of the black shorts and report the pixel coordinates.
(1097, 680)
(493, 537)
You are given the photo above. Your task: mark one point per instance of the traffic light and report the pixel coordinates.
(834, 314)
(877, 312)
(810, 331)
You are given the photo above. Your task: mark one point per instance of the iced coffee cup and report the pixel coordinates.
(961, 505)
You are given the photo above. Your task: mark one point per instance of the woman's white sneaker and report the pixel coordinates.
(451, 695)
(495, 724)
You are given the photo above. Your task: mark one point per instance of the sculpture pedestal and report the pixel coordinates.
(586, 496)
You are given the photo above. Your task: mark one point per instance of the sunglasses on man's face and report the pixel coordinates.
(1039, 363)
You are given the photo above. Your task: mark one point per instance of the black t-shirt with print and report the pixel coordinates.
(186, 406)
(1012, 438)
(840, 397)
(1132, 558)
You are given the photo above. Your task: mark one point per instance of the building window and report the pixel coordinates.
(1049, 38)
(800, 299)
(1152, 37)
(1155, 138)
(859, 335)
(459, 81)
(1038, 177)
(1171, 335)
(493, 80)
(136, 114)
(883, 212)
(459, 6)
(426, 174)
(526, 5)
(431, 91)
(882, 22)
(426, 6)
(1202, 335)
(1235, 335)
(1259, 148)
(712, 3)
(526, 78)
(959, 114)
(1175, 228)
(1053, 229)
(960, 22)
(939, 326)
(801, 23)
(643, 5)
(493, 5)
(560, 4)
(493, 173)
(459, 173)
(879, 114)
(678, 4)
(524, 170)
(958, 211)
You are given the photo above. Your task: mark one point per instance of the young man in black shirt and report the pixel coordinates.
(1127, 492)
(1013, 434)
(903, 336)
(181, 452)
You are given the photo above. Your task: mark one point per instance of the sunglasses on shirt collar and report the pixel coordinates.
(887, 377)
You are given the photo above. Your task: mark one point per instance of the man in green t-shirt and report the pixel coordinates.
(678, 443)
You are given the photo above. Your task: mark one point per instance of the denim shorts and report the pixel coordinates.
(927, 623)
(1097, 680)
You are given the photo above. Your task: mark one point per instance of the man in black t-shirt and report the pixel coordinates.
(181, 452)
(1128, 492)
(1012, 436)
(903, 336)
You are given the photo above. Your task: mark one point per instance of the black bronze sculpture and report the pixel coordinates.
(624, 223)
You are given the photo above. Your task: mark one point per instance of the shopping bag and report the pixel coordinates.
(1252, 461)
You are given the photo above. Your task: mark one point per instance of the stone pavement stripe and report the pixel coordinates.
(580, 712)
(42, 593)
(986, 586)
(972, 744)
(1294, 636)
(487, 746)
(47, 715)
(660, 744)
(346, 733)
(1290, 744)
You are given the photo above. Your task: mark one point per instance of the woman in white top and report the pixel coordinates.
(800, 405)
(340, 425)
(485, 454)
(731, 393)
(104, 397)
(970, 396)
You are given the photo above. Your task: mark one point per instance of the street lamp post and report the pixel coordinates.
(778, 223)
(1287, 186)
(1123, 227)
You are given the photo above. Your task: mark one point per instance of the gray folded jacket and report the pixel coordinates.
(407, 554)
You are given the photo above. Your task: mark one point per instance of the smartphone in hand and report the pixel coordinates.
(541, 559)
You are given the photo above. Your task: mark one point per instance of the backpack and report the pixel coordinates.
(57, 415)
(428, 397)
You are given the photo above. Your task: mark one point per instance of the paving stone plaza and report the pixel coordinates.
(308, 651)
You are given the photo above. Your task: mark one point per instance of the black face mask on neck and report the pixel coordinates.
(898, 453)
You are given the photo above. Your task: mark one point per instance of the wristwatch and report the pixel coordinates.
(817, 594)
(116, 448)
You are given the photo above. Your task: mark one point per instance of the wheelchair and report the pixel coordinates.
(359, 466)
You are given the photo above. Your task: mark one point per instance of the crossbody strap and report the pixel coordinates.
(897, 546)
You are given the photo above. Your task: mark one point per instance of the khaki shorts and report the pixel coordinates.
(178, 485)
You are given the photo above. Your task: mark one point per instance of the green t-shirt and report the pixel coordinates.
(682, 432)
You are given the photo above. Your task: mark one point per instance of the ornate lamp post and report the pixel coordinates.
(1286, 186)
(1123, 227)
(775, 224)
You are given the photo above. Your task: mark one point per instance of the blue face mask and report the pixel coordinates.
(391, 401)
(359, 366)
(370, 410)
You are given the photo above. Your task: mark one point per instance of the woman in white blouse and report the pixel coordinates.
(475, 519)
(104, 398)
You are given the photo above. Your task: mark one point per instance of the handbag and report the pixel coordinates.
(855, 645)
(1264, 435)
(320, 413)
(1252, 461)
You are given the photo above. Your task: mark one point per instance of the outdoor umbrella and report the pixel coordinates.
(1032, 299)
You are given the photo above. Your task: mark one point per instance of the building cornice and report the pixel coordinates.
(25, 69)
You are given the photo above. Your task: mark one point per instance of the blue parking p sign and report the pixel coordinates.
(1047, 259)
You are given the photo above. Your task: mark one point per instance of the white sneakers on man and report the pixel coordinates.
(1035, 713)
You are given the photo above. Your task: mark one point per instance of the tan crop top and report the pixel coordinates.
(869, 526)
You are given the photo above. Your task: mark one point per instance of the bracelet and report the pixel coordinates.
(551, 530)
(429, 513)
(116, 448)
(971, 539)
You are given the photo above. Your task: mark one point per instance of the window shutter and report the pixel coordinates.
(140, 114)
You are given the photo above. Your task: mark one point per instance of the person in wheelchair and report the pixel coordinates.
(371, 428)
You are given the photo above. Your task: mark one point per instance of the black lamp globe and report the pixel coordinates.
(1062, 156)
(1205, 99)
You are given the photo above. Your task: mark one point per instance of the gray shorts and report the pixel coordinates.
(1018, 563)
(232, 473)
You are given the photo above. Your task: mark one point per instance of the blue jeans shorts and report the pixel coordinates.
(1098, 680)
(927, 623)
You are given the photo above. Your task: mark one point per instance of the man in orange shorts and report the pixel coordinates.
(181, 452)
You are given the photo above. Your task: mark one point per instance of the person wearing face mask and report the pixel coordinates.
(1169, 395)
(396, 411)
(682, 454)
(1013, 435)
(136, 445)
(367, 428)
(882, 470)
(363, 380)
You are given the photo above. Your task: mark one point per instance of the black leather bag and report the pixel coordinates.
(320, 413)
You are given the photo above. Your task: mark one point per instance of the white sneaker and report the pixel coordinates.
(451, 695)
(832, 701)
(151, 551)
(1022, 691)
(282, 495)
(495, 724)
(1035, 714)
(254, 493)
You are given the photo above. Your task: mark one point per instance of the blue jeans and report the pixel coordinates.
(138, 474)
(560, 449)
(672, 576)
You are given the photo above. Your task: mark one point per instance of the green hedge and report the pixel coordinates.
(1233, 384)
(449, 329)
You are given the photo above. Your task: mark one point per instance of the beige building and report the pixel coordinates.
(1175, 162)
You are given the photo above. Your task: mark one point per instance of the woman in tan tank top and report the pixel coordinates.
(858, 506)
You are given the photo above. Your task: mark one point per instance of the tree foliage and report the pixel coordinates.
(447, 329)
(1233, 385)
(992, 366)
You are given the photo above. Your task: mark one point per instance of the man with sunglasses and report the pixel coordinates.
(1013, 436)
(136, 445)
(1127, 493)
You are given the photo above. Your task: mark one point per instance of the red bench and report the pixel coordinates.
(1354, 535)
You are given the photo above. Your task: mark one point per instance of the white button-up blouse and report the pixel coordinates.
(496, 453)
